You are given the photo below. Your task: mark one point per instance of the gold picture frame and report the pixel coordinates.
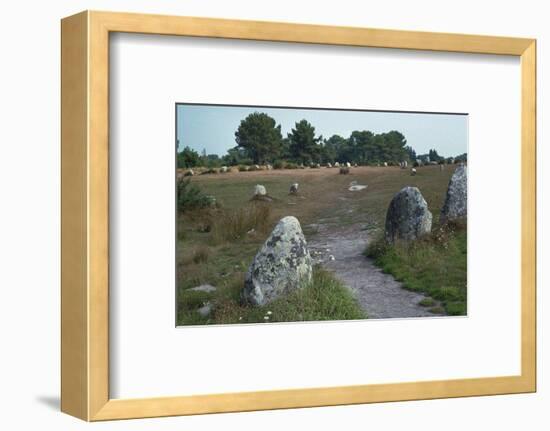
(85, 220)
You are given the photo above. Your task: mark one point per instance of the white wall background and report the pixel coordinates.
(29, 216)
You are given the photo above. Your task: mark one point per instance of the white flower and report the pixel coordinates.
(269, 313)
(266, 317)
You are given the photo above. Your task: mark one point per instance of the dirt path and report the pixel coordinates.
(340, 250)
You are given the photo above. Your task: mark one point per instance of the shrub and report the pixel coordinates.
(291, 165)
(279, 164)
(243, 168)
(190, 197)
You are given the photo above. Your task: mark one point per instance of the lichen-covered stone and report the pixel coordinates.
(456, 200)
(408, 217)
(283, 264)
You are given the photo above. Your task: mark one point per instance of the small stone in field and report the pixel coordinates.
(204, 288)
(259, 190)
(205, 310)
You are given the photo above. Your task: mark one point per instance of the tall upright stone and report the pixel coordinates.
(456, 200)
(408, 217)
(282, 265)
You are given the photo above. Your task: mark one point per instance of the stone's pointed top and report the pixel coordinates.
(288, 224)
(408, 217)
(283, 264)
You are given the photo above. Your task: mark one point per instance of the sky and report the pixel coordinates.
(212, 128)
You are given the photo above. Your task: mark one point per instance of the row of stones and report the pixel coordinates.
(284, 263)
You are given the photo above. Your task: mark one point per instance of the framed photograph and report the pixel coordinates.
(263, 215)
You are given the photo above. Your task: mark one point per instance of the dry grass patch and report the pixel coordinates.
(233, 224)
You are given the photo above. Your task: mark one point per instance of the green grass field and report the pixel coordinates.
(435, 266)
(216, 245)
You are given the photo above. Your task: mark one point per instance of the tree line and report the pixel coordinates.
(260, 141)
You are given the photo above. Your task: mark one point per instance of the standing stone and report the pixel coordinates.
(456, 202)
(408, 217)
(282, 265)
(259, 190)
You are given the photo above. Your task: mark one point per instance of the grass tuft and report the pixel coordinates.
(427, 302)
(438, 309)
(201, 254)
(234, 224)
